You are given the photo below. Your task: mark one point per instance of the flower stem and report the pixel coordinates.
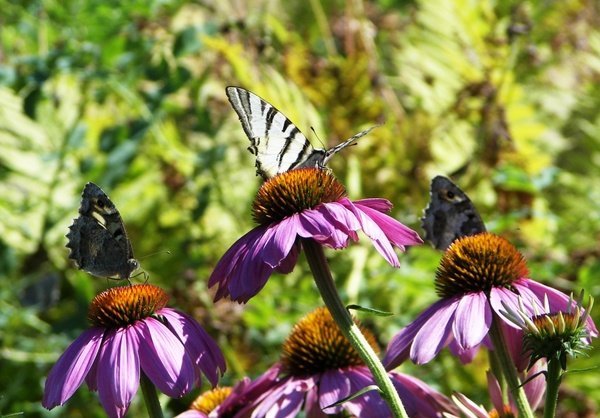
(320, 269)
(508, 369)
(553, 378)
(150, 397)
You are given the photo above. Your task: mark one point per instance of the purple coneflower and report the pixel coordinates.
(477, 274)
(319, 368)
(307, 203)
(132, 331)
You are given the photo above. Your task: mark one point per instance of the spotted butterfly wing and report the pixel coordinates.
(277, 143)
(97, 238)
(449, 215)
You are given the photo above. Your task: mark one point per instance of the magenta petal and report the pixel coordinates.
(201, 348)
(285, 400)
(374, 232)
(472, 320)
(398, 233)
(464, 355)
(433, 335)
(71, 368)
(164, 359)
(118, 371)
(379, 204)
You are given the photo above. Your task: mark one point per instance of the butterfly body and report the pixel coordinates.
(449, 215)
(278, 145)
(97, 238)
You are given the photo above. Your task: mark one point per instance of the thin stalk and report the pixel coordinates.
(322, 275)
(150, 397)
(553, 378)
(508, 369)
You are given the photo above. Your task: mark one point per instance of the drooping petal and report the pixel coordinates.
(398, 233)
(164, 359)
(377, 203)
(228, 267)
(433, 335)
(201, 348)
(314, 225)
(71, 368)
(498, 297)
(374, 232)
(118, 371)
(472, 320)
(399, 347)
(279, 240)
(464, 355)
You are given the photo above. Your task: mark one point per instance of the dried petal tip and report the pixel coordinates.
(478, 263)
(294, 191)
(211, 399)
(122, 306)
(316, 344)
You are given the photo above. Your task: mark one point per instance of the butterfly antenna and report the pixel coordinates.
(154, 253)
(318, 138)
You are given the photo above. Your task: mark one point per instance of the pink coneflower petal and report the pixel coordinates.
(164, 359)
(72, 367)
(465, 355)
(201, 348)
(398, 234)
(432, 337)
(379, 204)
(279, 242)
(284, 401)
(472, 320)
(119, 375)
(374, 231)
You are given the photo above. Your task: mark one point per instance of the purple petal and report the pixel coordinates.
(464, 355)
(285, 400)
(434, 333)
(227, 269)
(314, 224)
(287, 264)
(201, 348)
(164, 359)
(500, 295)
(118, 371)
(333, 387)
(71, 368)
(419, 398)
(278, 241)
(472, 320)
(398, 348)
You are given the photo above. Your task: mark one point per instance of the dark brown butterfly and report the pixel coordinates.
(449, 215)
(97, 238)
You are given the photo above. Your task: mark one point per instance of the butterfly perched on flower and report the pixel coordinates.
(277, 143)
(450, 214)
(97, 238)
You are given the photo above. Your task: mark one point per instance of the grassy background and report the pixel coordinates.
(503, 96)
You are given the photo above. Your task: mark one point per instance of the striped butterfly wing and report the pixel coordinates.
(277, 143)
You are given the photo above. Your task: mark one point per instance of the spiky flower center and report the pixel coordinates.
(478, 263)
(294, 191)
(209, 400)
(122, 306)
(316, 345)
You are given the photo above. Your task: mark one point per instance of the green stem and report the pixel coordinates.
(150, 397)
(508, 369)
(554, 376)
(320, 269)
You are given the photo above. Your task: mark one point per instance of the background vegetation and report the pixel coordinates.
(503, 96)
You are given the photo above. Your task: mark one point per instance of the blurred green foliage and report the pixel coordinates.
(503, 96)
